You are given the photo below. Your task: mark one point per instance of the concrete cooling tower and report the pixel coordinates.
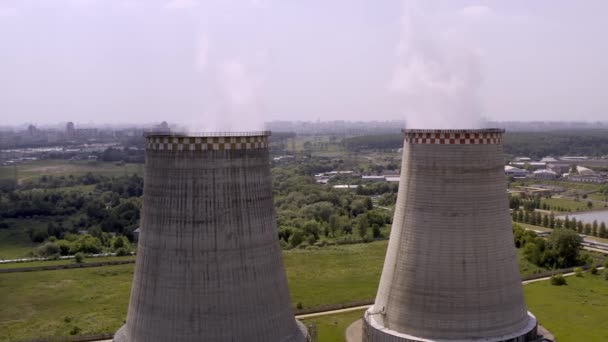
(209, 265)
(451, 271)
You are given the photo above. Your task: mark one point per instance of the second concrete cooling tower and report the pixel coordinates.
(451, 271)
(209, 265)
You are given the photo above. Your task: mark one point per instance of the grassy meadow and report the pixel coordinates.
(573, 313)
(94, 300)
(29, 171)
(332, 328)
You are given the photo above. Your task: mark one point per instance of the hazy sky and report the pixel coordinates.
(234, 63)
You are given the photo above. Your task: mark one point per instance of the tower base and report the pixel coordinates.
(121, 335)
(369, 330)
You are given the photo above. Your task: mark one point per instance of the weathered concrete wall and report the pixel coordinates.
(451, 268)
(209, 265)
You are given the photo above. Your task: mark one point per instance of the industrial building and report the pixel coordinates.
(209, 265)
(451, 271)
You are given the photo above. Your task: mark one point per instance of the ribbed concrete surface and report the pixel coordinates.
(451, 268)
(209, 266)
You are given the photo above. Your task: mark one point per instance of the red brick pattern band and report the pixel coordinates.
(453, 138)
(162, 143)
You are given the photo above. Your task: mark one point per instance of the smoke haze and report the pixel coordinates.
(232, 64)
(437, 75)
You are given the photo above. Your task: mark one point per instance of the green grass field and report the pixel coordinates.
(35, 304)
(63, 262)
(332, 328)
(336, 274)
(568, 204)
(576, 312)
(32, 170)
(14, 241)
(52, 303)
(573, 313)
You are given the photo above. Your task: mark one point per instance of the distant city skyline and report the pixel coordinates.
(236, 64)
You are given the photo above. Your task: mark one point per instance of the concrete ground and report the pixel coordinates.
(354, 332)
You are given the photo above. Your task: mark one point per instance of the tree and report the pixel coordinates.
(580, 227)
(362, 225)
(334, 224)
(602, 231)
(587, 228)
(296, 238)
(565, 244)
(552, 220)
(589, 204)
(545, 221)
(376, 233)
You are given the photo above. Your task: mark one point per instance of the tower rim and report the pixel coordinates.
(472, 130)
(207, 134)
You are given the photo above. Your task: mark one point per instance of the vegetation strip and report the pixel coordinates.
(66, 266)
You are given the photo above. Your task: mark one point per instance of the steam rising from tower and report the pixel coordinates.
(437, 75)
(209, 264)
(451, 271)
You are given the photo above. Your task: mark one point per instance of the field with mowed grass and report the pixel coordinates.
(95, 300)
(58, 303)
(14, 241)
(566, 204)
(575, 312)
(30, 171)
(332, 328)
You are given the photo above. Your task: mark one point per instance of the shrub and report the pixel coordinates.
(122, 251)
(299, 306)
(75, 330)
(578, 272)
(67, 319)
(593, 270)
(49, 249)
(558, 280)
(79, 258)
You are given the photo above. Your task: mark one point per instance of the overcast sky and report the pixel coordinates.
(245, 61)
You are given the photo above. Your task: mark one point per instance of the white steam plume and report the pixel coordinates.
(437, 76)
(231, 76)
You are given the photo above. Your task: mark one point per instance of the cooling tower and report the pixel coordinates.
(209, 265)
(451, 269)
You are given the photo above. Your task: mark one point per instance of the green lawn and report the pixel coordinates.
(573, 313)
(332, 328)
(14, 241)
(51, 303)
(63, 262)
(35, 304)
(576, 312)
(566, 203)
(336, 274)
(32, 170)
